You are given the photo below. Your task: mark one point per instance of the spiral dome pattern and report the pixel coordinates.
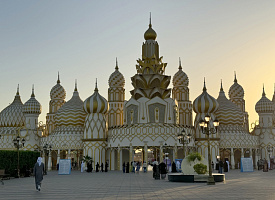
(32, 106)
(116, 79)
(205, 103)
(264, 105)
(57, 91)
(96, 103)
(236, 90)
(12, 115)
(228, 113)
(180, 78)
(71, 113)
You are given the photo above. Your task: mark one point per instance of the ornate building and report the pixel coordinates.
(144, 127)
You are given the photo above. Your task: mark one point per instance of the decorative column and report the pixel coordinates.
(50, 161)
(58, 156)
(232, 158)
(112, 159)
(118, 158)
(242, 153)
(69, 153)
(130, 154)
(175, 152)
(161, 151)
(250, 152)
(145, 153)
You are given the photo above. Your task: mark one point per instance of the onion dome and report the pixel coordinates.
(12, 115)
(228, 113)
(58, 92)
(205, 103)
(71, 113)
(116, 79)
(32, 106)
(236, 90)
(150, 34)
(264, 105)
(180, 78)
(96, 103)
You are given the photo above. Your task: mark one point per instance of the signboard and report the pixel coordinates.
(64, 167)
(246, 165)
(178, 164)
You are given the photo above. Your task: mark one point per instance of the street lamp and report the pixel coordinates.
(270, 151)
(184, 139)
(18, 143)
(207, 130)
(47, 149)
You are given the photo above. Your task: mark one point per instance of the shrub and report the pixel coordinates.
(193, 156)
(200, 168)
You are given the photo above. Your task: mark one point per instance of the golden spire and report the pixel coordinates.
(58, 80)
(116, 64)
(32, 91)
(180, 64)
(150, 25)
(150, 34)
(96, 89)
(17, 93)
(75, 85)
(235, 80)
(204, 87)
(221, 90)
(263, 91)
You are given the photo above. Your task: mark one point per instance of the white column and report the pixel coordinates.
(130, 154)
(161, 152)
(242, 153)
(146, 153)
(69, 153)
(58, 156)
(50, 161)
(118, 158)
(250, 152)
(112, 160)
(232, 158)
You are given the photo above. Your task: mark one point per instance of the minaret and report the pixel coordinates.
(116, 97)
(58, 95)
(95, 132)
(180, 93)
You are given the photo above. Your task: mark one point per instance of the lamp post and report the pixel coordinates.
(184, 139)
(207, 130)
(18, 143)
(270, 151)
(47, 148)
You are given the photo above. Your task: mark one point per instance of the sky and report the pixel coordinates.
(81, 40)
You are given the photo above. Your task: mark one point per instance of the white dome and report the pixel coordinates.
(32, 106)
(12, 115)
(236, 90)
(96, 103)
(116, 79)
(58, 92)
(264, 105)
(71, 113)
(180, 78)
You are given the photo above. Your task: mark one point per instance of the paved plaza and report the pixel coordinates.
(116, 185)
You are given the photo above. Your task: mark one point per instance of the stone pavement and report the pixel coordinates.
(116, 185)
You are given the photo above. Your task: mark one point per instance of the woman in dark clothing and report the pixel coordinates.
(38, 173)
(96, 167)
(127, 167)
(106, 167)
(123, 167)
(102, 167)
(174, 168)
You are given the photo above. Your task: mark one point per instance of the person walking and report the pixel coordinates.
(106, 167)
(220, 166)
(102, 167)
(38, 173)
(96, 167)
(123, 167)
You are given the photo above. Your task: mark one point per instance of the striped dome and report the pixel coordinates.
(236, 90)
(12, 115)
(180, 78)
(264, 105)
(32, 106)
(116, 79)
(205, 103)
(96, 103)
(58, 92)
(71, 113)
(228, 113)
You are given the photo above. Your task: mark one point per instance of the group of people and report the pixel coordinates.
(220, 166)
(101, 167)
(263, 164)
(134, 167)
(97, 167)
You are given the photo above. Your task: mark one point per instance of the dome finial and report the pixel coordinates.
(116, 64)
(75, 85)
(150, 25)
(263, 91)
(32, 91)
(96, 89)
(180, 64)
(17, 93)
(204, 87)
(58, 80)
(274, 88)
(221, 86)
(235, 79)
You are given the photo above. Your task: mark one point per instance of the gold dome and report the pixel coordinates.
(150, 34)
